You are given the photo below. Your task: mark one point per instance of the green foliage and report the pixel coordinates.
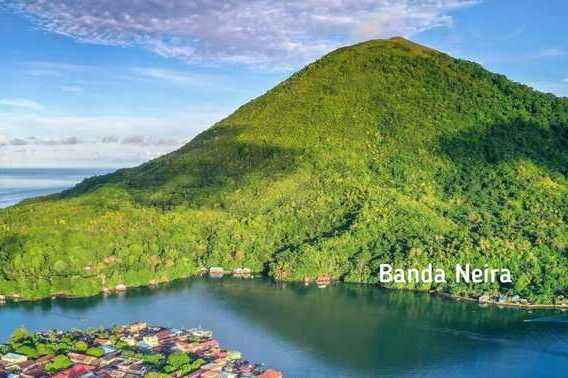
(20, 335)
(23, 342)
(43, 349)
(191, 367)
(384, 152)
(80, 346)
(177, 361)
(169, 369)
(121, 344)
(156, 375)
(155, 359)
(5, 349)
(27, 351)
(95, 352)
(60, 362)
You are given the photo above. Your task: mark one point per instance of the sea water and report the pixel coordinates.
(17, 184)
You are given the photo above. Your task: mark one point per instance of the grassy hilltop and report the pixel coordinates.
(385, 151)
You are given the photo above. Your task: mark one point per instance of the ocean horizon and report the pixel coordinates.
(18, 184)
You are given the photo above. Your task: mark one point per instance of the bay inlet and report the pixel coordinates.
(342, 331)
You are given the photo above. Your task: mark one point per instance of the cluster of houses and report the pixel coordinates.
(322, 281)
(502, 299)
(123, 351)
(218, 272)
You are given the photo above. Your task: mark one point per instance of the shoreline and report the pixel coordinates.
(527, 306)
(131, 350)
(448, 296)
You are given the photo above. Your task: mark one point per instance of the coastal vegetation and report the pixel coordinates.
(385, 152)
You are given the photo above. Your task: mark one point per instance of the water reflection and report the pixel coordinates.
(366, 328)
(342, 331)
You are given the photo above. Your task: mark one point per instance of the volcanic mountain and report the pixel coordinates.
(381, 152)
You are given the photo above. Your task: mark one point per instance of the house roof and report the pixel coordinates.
(81, 358)
(74, 371)
(271, 374)
(13, 357)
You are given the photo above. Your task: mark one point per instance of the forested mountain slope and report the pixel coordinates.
(385, 151)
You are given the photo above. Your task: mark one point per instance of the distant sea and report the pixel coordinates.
(17, 184)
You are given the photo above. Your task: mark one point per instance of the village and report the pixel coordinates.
(322, 281)
(128, 351)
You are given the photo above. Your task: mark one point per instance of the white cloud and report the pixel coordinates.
(557, 88)
(109, 151)
(88, 155)
(240, 31)
(54, 69)
(71, 88)
(42, 142)
(552, 52)
(171, 76)
(141, 140)
(85, 77)
(20, 103)
(39, 140)
(18, 125)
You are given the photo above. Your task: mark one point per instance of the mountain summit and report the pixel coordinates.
(382, 152)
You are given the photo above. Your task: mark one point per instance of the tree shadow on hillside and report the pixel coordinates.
(480, 150)
(214, 163)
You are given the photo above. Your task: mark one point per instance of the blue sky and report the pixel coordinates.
(114, 83)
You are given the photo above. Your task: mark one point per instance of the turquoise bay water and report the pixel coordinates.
(342, 331)
(17, 184)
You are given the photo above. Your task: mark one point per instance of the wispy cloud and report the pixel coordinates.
(548, 53)
(81, 155)
(109, 139)
(41, 142)
(109, 151)
(54, 69)
(84, 76)
(187, 124)
(239, 31)
(71, 88)
(168, 75)
(559, 88)
(140, 140)
(552, 52)
(21, 103)
(135, 140)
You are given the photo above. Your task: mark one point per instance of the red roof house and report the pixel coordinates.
(74, 371)
(271, 374)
